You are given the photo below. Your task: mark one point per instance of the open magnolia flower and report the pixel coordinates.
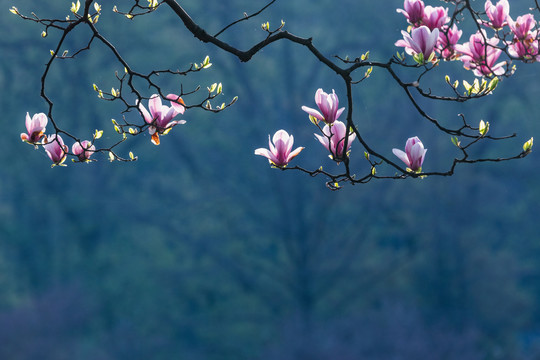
(525, 44)
(55, 149)
(333, 140)
(414, 154)
(279, 153)
(328, 105)
(414, 11)
(161, 116)
(480, 56)
(523, 26)
(497, 13)
(35, 127)
(448, 39)
(435, 17)
(83, 150)
(420, 43)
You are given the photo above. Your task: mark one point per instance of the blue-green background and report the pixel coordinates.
(199, 250)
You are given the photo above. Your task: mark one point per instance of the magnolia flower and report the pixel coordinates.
(420, 43)
(524, 44)
(414, 154)
(160, 116)
(479, 57)
(448, 39)
(35, 127)
(328, 106)
(497, 13)
(279, 153)
(435, 17)
(333, 139)
(526, 49)
(83, 150)
(522, 27)
(55, 148)
(414, 11)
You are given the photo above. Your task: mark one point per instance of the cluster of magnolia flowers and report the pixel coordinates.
(54, 144)
(334, 138)
(430, 36)
(159, 119)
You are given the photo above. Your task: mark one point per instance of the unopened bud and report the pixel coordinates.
(527, 147)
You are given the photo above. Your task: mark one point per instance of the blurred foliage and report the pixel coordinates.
(200, 251)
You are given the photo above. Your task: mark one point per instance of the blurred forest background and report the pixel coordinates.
(200, 251)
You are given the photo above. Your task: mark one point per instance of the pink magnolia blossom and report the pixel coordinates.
(524, 44)
(448, 39)
(328, 105)
(333, 139)
(279, 153)
(497, 13)
(479, 57)
(526, 49)
(414, 154)
(420, 41)
(414, 11)
(161, 116)
(55, 148)
(523, 26)
(83, 150)
(435, 17)
(35, 127)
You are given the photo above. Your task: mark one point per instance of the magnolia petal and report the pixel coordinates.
(154, 104)
(352, 137)
(271, 145)
(76, 148)
(146, 115)
(267, 154)
(179, 108)
(313, 112)
(293, 154)
(431, 43)
(41, 120)
(323, 140)
(281, 147)
(402, 156)
(167, 113)
(410, 143)
(28, 121)
(420, 36)
(498, 69)
(171, 124)
(339, 112)
(177, 102)
(290, 142)
(318, 95)
(326, 131)
(416, 156)
(280, 135)
(335, 99)
(325, 104)
(263, 152)
(338, 129)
